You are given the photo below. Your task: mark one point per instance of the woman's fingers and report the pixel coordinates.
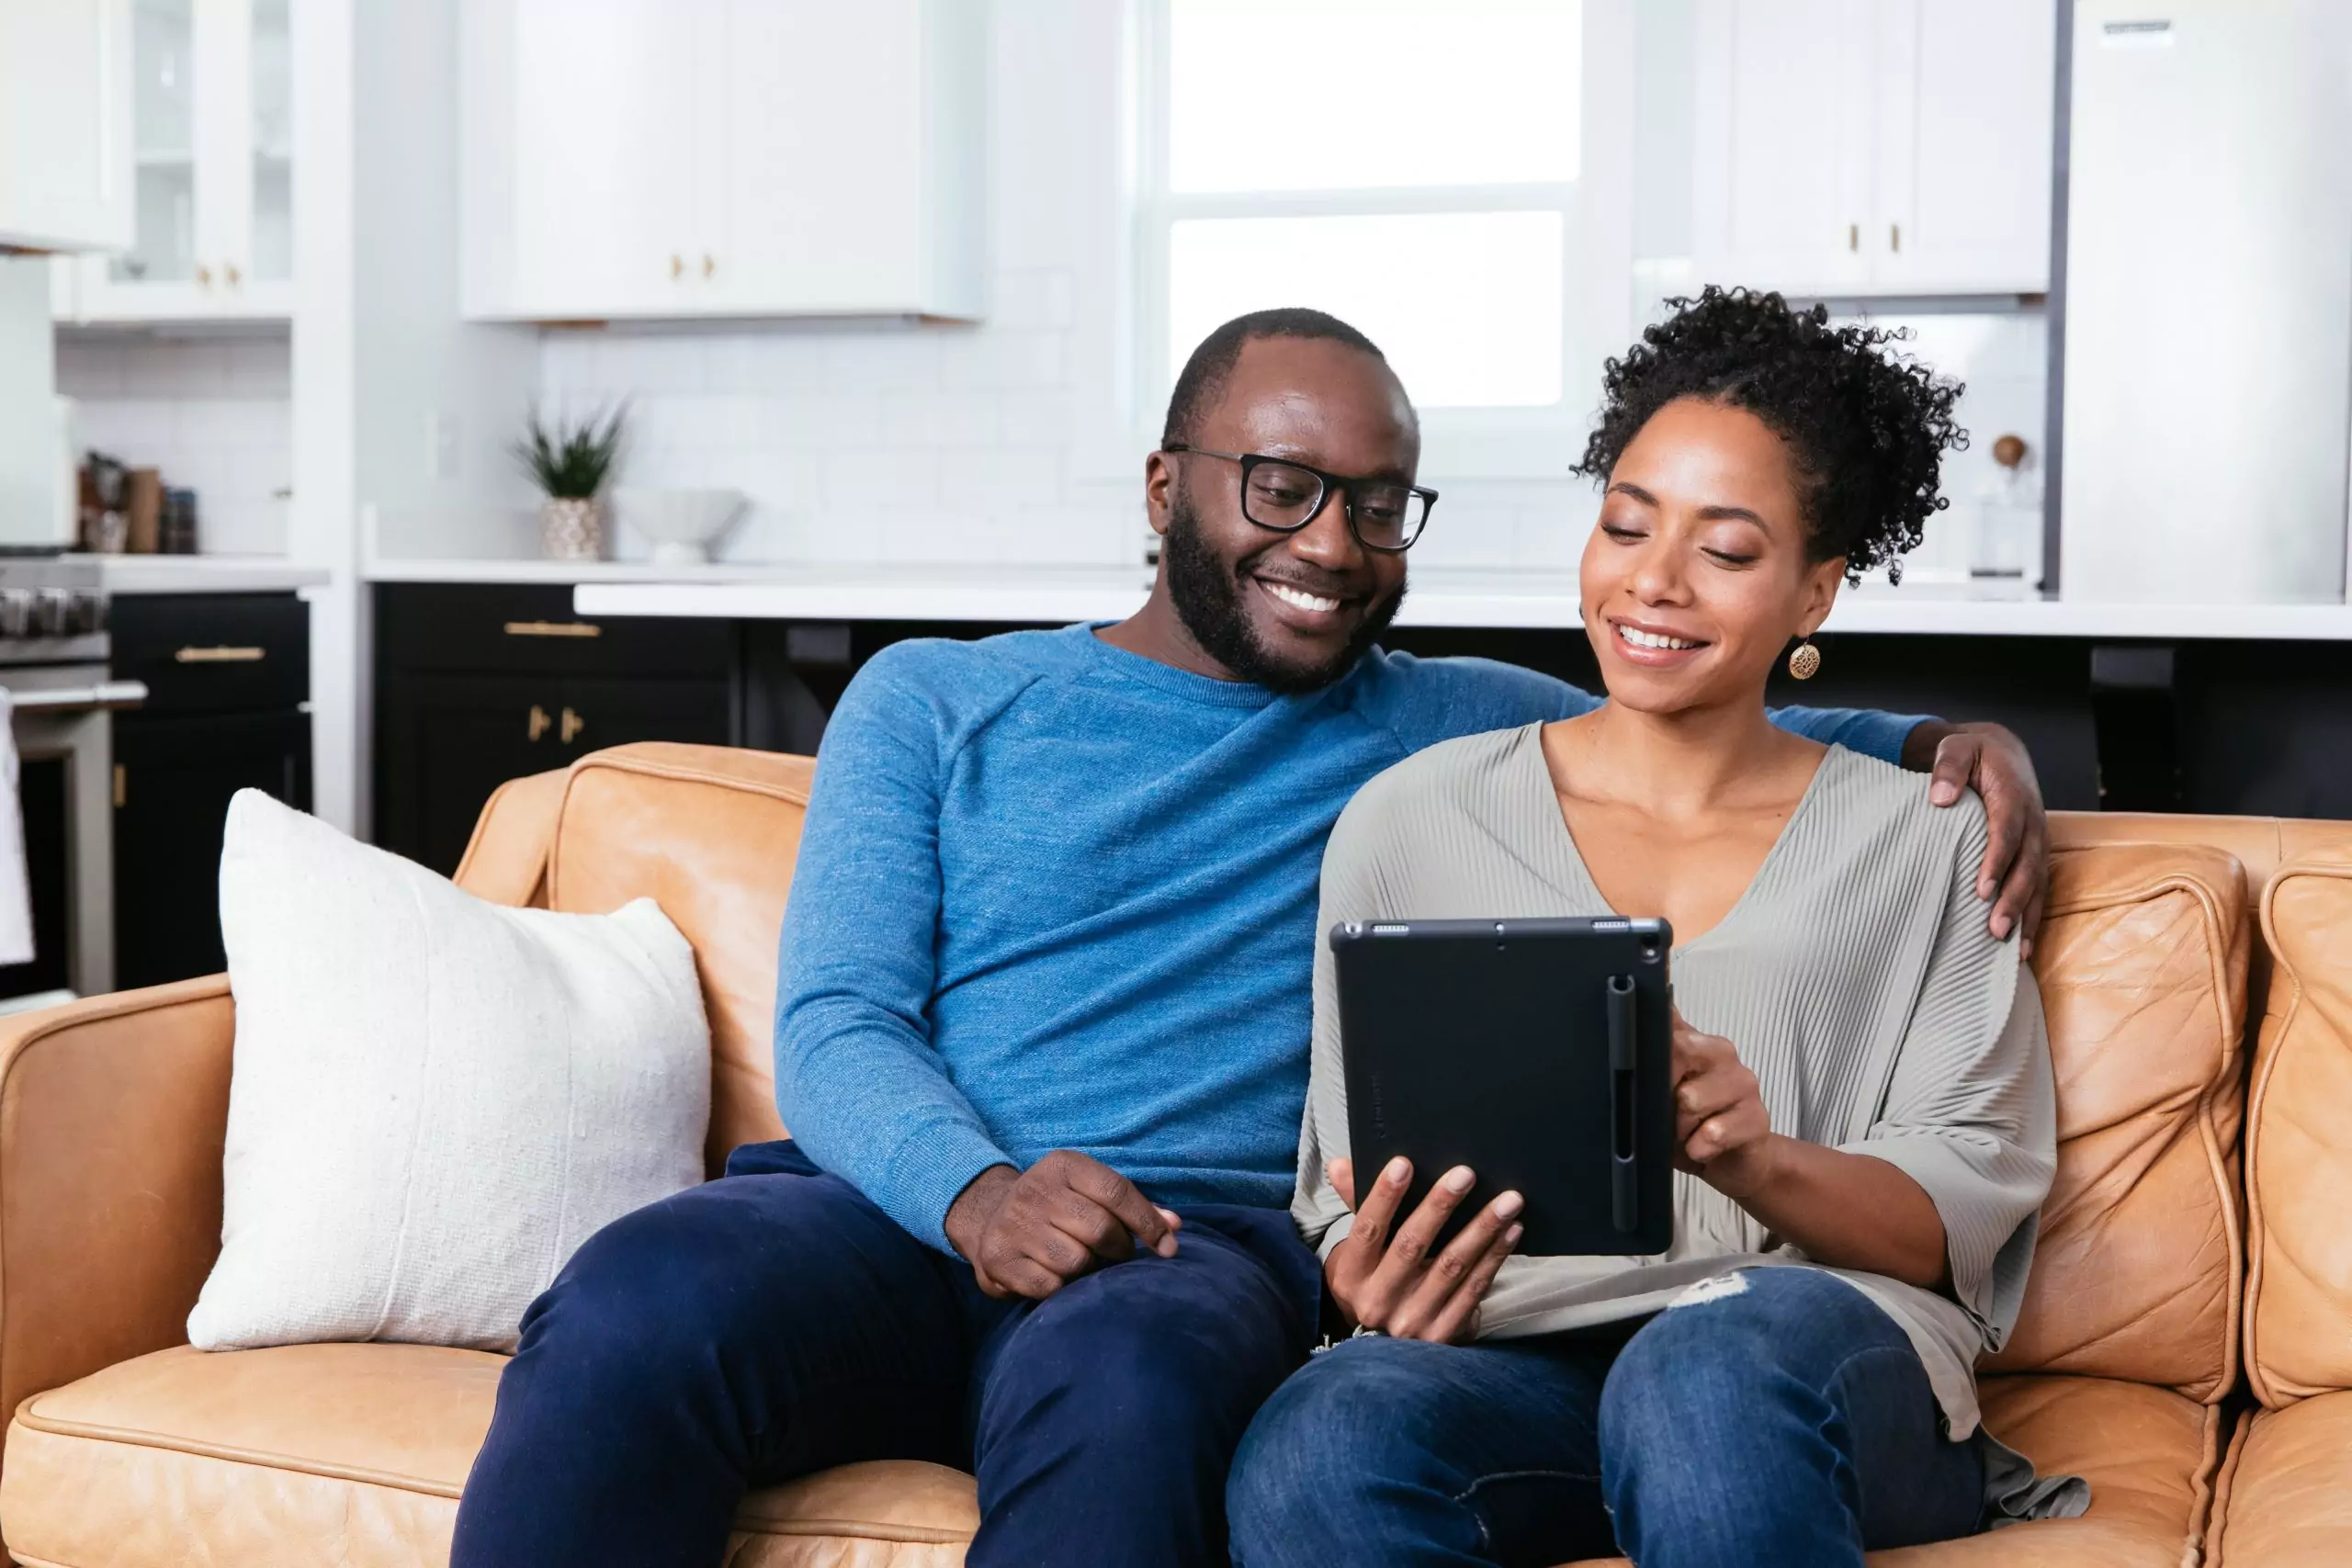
(1459, 1321)
(1342, 1174)
(1378, 1209)
(1451, 1270)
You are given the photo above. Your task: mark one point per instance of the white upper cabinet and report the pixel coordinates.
(64, 131)
(1875, 147)
(724, 158)
(210, 84)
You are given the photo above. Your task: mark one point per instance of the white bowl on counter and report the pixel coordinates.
(683, 523)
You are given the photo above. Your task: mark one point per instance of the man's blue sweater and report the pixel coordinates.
(1055, 895)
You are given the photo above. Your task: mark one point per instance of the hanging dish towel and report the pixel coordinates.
(16, 896)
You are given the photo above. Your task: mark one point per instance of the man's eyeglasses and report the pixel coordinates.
(1284, 496)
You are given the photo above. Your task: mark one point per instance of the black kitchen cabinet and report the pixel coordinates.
(174, 778)
(476, 685)
(227, 677)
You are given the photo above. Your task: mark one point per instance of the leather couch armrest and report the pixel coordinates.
(112, 1115)
(506, 860)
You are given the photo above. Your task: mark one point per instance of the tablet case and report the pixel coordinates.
(1536, 1052)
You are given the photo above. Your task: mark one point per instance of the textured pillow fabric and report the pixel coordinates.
(434, 1099)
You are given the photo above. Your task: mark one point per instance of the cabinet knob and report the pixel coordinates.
(539, 722)
(572, 725)
(709, 263)
(203, 277)
(2010, 451)
(229, 270)
(677, 266)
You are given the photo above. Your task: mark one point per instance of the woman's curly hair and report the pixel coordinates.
(1866, 429)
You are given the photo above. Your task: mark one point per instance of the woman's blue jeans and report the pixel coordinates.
(1781, 1419)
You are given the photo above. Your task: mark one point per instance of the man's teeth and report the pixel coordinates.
(1641, 639)
(1300, 597)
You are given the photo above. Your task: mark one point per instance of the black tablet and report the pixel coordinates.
(1536, 1052)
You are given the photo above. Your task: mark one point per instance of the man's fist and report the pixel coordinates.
(1029, 1232)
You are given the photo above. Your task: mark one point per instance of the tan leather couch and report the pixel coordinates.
(130, 1451)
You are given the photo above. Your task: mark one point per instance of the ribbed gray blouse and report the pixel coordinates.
(1855, 978)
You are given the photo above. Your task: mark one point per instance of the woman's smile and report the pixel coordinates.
(1655, 647)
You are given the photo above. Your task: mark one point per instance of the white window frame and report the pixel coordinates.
(1596, 317)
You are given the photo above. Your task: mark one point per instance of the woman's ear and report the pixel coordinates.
(1819, 592)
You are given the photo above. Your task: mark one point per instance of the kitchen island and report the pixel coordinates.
(2196, 708)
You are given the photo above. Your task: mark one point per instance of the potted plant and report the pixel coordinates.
(570, 463)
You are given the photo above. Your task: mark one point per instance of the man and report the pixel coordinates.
(1042, 1026)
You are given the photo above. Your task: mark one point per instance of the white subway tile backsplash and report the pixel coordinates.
(1020, 476)
(902, 360)
(942, 419)
(991, 359)
(858, 481)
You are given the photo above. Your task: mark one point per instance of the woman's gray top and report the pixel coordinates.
(1855, 978)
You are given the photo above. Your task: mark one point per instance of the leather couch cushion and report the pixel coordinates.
(711, 834)
(2149, 1454)
(356, 1453)
(2299, 1144)
(2143, 966)
(2285, 1495)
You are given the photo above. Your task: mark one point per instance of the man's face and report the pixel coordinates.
(1290, 611)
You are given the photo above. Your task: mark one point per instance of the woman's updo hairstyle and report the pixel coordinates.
(1866, 429)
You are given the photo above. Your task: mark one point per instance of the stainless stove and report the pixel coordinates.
(53, 654)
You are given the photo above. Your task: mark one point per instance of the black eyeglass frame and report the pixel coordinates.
(1252, 461)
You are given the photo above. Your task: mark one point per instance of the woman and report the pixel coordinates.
(1861, 1079)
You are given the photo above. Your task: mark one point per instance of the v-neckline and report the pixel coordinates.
(1578, 876)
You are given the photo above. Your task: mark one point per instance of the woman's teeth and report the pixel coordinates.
(1300, 597)
(1640, 638)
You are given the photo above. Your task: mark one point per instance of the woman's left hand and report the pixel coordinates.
(1721, 1133)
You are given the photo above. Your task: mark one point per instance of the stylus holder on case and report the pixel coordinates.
(1625, 1194)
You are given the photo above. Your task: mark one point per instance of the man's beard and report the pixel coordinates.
(1208, 601)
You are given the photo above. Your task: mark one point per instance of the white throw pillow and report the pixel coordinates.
(434, 1100)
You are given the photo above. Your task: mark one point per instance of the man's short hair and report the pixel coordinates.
(1205, 375)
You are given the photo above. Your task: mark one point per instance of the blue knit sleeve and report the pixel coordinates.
(857, 1080)
(1866, 730)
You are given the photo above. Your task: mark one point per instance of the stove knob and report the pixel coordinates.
(51, 611)
(88, 613)
(16, 612)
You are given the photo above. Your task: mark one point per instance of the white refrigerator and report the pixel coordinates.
(2207, 315)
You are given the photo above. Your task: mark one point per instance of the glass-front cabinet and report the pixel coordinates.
(211, 96)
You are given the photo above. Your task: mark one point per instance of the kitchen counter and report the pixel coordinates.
(1006, 595)
(461, 569)
(122, 575)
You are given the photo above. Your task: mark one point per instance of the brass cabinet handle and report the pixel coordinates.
(204, 277)
(229, 270)
(554, 628)
(121, 786)
(1853, 236)
(709, 263)
(1894, 237)
(677, 266)
(539, 721)
(572, 725)
(220, 656)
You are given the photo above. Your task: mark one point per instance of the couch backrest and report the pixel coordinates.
(711, 834)
(2298, 1141)
(2143, 964)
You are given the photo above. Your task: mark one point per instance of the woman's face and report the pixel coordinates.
(1695, 578)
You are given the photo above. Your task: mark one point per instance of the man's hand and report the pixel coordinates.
(2016, 853)
(1029, 1232)
(1396, 1286)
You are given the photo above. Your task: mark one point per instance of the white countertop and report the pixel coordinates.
(459, 569)
(202, 574)
(1439, 599)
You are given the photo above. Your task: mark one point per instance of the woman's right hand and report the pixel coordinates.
(1391, 1281)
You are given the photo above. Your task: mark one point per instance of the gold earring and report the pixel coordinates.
(1805, 662)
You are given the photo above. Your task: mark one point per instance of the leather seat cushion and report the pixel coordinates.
(356, 1453)
(2149, 1454)
(2285, 1498)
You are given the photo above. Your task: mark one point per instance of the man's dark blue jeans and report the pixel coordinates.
(775, 1323)
(1783, 1419)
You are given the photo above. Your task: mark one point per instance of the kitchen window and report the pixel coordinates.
(1420, 168)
